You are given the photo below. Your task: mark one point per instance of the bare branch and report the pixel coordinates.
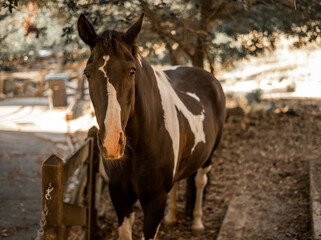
(166, 36)
(210, 59)
(253, 4)
(223, 5)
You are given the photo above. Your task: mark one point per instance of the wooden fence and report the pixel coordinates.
(59, 216)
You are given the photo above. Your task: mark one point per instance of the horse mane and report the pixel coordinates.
(115, 40)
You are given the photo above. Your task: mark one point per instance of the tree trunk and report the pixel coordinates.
(175, 56)
(198, 56)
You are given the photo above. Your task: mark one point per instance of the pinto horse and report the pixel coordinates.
(155, 127)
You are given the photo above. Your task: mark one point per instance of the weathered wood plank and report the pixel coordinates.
(315, 197)
(92, 173)
(74, 215)
(79, 191)
(76, 159)
(235, 219)
(33, 75)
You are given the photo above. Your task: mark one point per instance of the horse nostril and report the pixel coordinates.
(121, 139)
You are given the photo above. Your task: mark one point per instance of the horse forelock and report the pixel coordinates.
(108, 41)
(113, 41)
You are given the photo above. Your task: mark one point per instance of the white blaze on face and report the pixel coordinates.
(171, 102)
(113, 129)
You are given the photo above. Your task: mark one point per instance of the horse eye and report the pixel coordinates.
(132, 72)
(87, 75)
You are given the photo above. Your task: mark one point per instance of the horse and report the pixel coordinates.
(155, 127)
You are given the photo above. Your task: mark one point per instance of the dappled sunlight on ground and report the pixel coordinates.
(37, 117)
(287, 72)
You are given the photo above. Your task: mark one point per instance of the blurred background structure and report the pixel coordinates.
(201, 33)
(41, 36)
(260, 50)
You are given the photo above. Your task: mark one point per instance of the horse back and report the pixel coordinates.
(200, 85)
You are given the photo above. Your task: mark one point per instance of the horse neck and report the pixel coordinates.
(147, 104)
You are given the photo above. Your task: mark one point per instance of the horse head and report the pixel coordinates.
(111, 74)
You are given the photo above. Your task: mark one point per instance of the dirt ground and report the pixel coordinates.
(265, 155)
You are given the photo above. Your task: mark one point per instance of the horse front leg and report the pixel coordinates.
(154, 208)
(200, 183)
(123, 202)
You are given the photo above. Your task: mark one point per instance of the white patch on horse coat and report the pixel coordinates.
(170, 217)
(173, 67)
(113, 118)
(171, 104)
(125, 229)
(140, 60)
(193, 95)
(200, 183)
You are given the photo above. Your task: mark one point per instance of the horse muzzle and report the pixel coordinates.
(112, 147)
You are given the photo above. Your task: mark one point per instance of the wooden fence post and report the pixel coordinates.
(59, 216)
(91, 190)
(52, 171)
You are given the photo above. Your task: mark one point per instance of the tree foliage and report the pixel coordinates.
(205, 30)
(199, 32)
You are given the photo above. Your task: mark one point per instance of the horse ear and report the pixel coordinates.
(132, 32)
(86, 31)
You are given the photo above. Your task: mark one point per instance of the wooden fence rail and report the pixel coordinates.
(59, 215)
